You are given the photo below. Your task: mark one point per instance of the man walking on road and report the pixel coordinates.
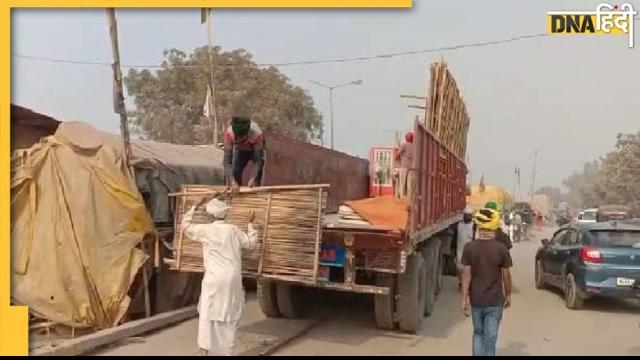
(486, 284)
(222, 295)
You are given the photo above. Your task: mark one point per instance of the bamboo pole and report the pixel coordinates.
(254, 190)
(181, 236)
(264, 236)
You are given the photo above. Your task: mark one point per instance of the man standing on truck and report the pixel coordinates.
(222, 296)
(486, 284)
(405, 174)
(243, 142)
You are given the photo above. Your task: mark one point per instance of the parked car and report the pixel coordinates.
(587, 216)
(591, 259)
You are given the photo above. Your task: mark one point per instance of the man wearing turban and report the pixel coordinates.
(222, 295)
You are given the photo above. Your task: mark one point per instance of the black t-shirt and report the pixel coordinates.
(487, 258)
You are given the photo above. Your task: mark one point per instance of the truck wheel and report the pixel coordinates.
(571, 297)
(267, 298)
(430, 280)
(439, 265)
(411, 295)
(385, 304)
(289, 300)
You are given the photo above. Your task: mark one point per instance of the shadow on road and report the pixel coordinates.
(515, 348)
(351, 321)
(635, 351)
(610, 305)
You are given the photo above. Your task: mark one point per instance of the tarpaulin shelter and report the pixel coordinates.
(77, 218)
(162, 168)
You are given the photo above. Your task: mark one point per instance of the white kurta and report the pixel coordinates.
(222, 295)
(465, 235)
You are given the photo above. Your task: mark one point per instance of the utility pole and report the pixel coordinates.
(119, 108)
(533, 175)
(207, 19)
(516, 183)
(331, 112)
(331, 87)
(118, 92)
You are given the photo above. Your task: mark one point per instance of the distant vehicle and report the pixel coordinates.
(614, 212)
(526, 213)
(563, 218)
(587, 216)
(590, 260)
(563, 206)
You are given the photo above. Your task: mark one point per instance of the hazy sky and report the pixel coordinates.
(567, 96)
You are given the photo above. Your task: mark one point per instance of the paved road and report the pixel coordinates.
(537, 324)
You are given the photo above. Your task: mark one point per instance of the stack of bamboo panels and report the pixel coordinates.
(447, 116)
(347, 215)
(288, 221)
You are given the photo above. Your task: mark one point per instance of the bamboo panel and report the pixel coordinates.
(446, 117)
(288, 221)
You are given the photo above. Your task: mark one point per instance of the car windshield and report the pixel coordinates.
(613, 238)
(590, 215)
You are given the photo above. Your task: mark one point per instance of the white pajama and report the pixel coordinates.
(218, 337)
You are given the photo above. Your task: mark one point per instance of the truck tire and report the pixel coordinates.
(430, 280)
(289, 301)
(267, 298)
(385, 304)
(439, 265)
(411, 295)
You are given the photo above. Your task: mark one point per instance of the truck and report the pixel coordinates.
(400, 266)
(394, 248)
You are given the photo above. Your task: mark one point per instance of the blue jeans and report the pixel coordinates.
(486, 322)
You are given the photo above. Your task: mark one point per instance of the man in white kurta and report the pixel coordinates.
(464, 236)
(222, 295)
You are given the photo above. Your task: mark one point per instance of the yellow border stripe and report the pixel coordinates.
(14, 321)
(216, 3)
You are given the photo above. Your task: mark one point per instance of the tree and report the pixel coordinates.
(621, 172)
(169, 101)
(613, 179)
(585, 188)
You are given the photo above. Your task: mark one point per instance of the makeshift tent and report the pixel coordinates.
(76, 220)
(162, 168)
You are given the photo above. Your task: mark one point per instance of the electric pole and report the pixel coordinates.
(118, 92)
(533, 175)
(207, 19)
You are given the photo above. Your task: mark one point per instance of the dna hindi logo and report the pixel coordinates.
(607, 19)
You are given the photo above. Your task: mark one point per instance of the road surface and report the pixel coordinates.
(537, 324)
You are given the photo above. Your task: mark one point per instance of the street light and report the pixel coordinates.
(331, 87)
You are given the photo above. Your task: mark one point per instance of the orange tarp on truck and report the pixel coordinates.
(382, 211)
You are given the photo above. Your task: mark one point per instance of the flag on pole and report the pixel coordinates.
(207, 110)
